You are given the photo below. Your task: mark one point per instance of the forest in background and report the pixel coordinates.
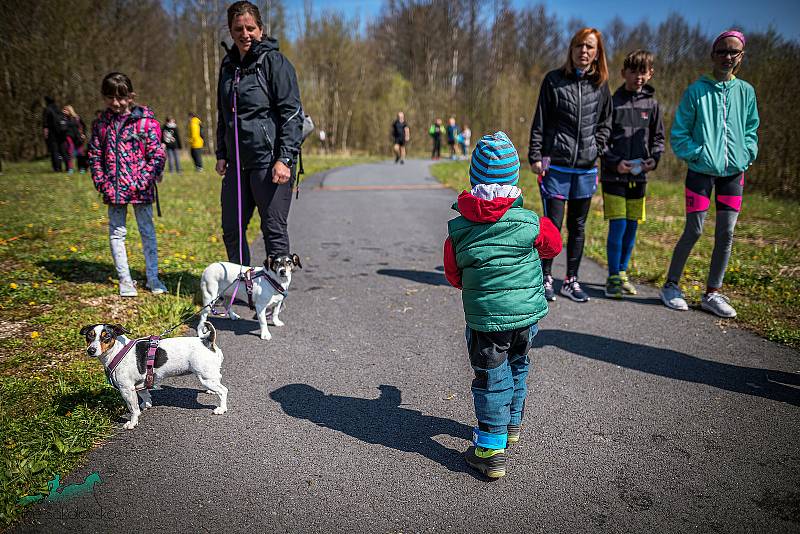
(480, 61)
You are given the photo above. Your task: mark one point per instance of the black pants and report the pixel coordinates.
(57, 154)
(437, 148)
(577, 211)
(197, 156)
(273, 202)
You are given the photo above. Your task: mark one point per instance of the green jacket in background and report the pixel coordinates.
(501, 271)
(715, 127)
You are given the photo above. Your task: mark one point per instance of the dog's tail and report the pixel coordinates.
(209, 337)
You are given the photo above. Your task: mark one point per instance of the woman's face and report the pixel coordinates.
(244, 31)
(727, 54)
(585, 52)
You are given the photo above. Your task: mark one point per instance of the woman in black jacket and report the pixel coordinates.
(268, 134)
(570, 130)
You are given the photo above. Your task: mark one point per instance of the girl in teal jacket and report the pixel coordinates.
(715, 132)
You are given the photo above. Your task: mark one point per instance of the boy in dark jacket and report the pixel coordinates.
(636, 145)
(493, 255)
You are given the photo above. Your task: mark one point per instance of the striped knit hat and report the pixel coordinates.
(494, 161)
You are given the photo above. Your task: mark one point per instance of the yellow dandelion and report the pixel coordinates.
(183, 256)
(12, 285)
(34, 335)
(49, 281)
(32, 303)
(213, 239)
(30, 225)
(73, 249)
(191, 258)
(696, 287)
(35, 285)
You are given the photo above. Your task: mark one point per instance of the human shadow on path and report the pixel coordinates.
(422, 277)
(379, 421)
(767, 383)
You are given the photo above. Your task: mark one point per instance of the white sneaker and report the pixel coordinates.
(718, 304)
(127, 288)
(156, 287)
(673, 297)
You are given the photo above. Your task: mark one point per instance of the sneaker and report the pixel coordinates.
(614, 286)
(127, 288)
(490, 462)
(718, 304)
(156, 287)
(549, 292)
(673, 297)
(627, 287)
(572, 289)
(402, 162)
(513, 433)
(396, 160)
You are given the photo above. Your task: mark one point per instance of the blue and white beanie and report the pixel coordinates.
(494, 161)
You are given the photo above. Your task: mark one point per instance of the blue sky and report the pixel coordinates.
(754, 15)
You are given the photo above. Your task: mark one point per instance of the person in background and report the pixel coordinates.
(196, 141)
(435, 131)
(54, 135)
(171, 139)
(715, 132)
(635, 147)
(400, 136)
(452, 136)
(466, 139)
(74, 139)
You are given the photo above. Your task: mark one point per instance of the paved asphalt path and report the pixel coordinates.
(354, 417)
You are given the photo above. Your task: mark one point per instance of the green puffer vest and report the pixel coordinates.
(501, 271)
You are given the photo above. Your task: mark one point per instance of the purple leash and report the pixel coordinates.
(238, 175)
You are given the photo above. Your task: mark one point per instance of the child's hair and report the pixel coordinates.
(598, 71)
(71, 111)
(116, 84)
(238, 9)
(639, 61)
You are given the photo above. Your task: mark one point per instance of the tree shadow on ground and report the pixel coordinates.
(767, 383)
(379, 421)
(422, 277)
(82, 271)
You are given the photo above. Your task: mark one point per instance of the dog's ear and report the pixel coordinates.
(118, 329)
(268, 262)
(296, 261)
(86, 329)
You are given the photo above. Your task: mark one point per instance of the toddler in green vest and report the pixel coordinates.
(493, 255)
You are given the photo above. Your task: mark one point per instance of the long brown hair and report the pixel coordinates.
(598, 70)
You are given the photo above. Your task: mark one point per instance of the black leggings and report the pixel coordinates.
(577, 211)
(273, 202)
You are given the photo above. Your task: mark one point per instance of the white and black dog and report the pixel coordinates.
(270, 285)
(175, 356)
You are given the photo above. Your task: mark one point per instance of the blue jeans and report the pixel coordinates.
(500, 362)
(117, 213)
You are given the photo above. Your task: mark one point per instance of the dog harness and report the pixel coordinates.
(149, 365)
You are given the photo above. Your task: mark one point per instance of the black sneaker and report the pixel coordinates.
(572, 289)
(549, 292)
(513, 433)
(490, 462)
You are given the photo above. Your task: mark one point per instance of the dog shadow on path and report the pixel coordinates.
(380, 421)
(767, 383)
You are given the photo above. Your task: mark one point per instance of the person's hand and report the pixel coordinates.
(221, 166)
(280, 173)
(536, 167)
(624, 167)
(649, 164)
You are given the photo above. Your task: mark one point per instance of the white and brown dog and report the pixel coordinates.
(175, 356)
(270, 287)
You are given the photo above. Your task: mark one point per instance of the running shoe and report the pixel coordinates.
(673, 297)
(718, 304)
(127, 288)
(614, 286)
(627, 286)
(156, 287)
(572, 289)
(549, 292)
(490, 462)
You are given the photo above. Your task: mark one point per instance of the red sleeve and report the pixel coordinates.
(451, 271)
(548, 243)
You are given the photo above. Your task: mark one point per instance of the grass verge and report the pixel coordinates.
(763, 277)
(57, 276)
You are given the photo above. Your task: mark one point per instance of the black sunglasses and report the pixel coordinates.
(733, 53)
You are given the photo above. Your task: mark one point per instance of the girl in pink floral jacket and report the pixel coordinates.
(126, 159)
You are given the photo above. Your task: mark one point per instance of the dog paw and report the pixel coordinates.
(266, 336)
(220, 410)
(130, 425)
(277, 322)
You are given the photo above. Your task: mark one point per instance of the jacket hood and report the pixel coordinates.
(707, 79)
(266, 44)
(647, 90)
(138, 112)
(486, 210)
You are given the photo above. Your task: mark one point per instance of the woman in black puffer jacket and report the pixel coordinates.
(570, 131)
(270, 125)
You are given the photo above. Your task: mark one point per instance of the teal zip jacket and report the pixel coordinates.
(715, 127)
(492, 254)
